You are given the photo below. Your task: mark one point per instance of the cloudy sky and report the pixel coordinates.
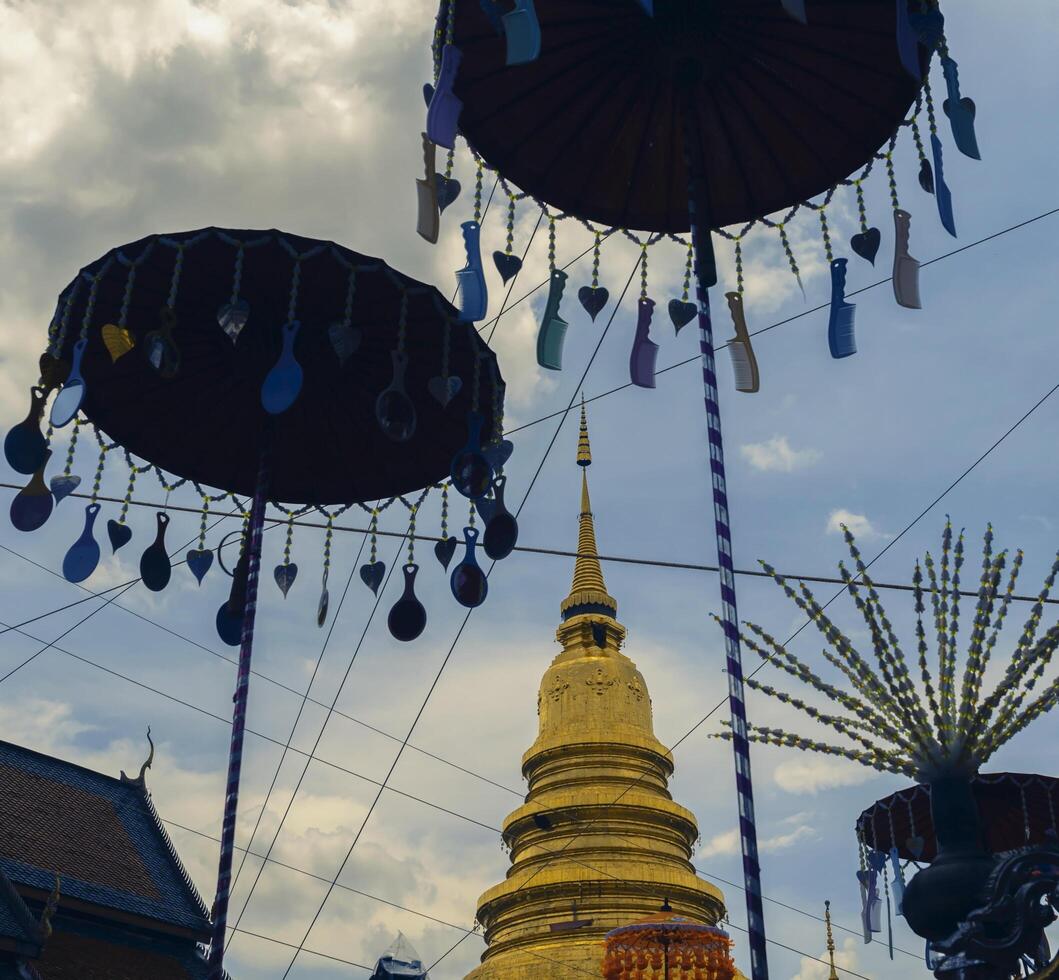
(123, 118)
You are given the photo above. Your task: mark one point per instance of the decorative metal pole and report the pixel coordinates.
(706, 276)
(215, 961)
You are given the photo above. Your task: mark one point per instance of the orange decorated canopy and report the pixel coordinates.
(666, 946)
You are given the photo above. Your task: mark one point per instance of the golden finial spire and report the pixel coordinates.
(588, 592)
(833, 975)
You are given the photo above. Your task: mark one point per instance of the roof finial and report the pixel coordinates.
(141, 780)
(49, 908)
(833, 975)
(584, 450)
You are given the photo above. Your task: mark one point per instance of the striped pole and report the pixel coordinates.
(706, 276)
(215, 962)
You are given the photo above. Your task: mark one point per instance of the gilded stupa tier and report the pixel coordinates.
(599, 843)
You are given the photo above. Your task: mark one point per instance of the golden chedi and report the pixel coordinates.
(599, 842)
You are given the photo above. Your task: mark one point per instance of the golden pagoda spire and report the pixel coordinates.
(833, 975)
(588, 593)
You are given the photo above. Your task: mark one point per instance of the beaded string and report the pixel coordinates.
(498, 410)
(126, 299)
(237, 277)
(789, 252)
(97, 480)
(351, 290)
(643, 272)
(888, 156)
(202, 522)
(445, 521)
(59, 325)
(90, 306)
(825, 232)
(510, 224)
(373, 529)
(551, 243)
(917, 136)
(1025, 811)
(166, 486)
(174, 282)
(134, 471)
(595, 261)
(328, 535)
(71, 447)
(862, 211)
(690, 260)
(288, 540)
(478, 194)
(412, 535)
(295, 283)
(931, 120)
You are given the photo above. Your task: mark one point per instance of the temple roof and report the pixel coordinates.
(101, 834)
(20, 932)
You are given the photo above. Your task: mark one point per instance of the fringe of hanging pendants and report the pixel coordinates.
(437, 190)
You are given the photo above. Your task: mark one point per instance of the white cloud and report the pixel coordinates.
(814, 773)
(845, 958)
(728, 842)
(777, 454)
(858, 524)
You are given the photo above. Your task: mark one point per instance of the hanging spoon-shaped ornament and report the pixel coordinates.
(593, 299)
(199, 562)
(501, 531)
(906, 268)
(470, 471)
(523, 31)
(443, 113)
(63, 485)
(644, 354)
(474, 296)
(160, 348)
(407, 617)
(232, 318)
(33, 504)
(941, 189)
(960, 111)
(155, 568)
(428, 217)
(552, 333)
(68, 401)
(444, 550)
(25, 444)
(394, 410)
(83, 556)
(841, 339)
(119, 534)
(283, 383)
(468, 581)
(230, 615)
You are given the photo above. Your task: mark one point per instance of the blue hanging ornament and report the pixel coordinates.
(407, 618)
(468, 582)
(83, 557)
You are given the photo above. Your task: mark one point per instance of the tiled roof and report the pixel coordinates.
(18, 927)
(99, 833)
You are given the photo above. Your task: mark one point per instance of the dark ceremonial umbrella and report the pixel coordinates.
(596, 125)
(205, 422)
(1014, 809)
(274, 365)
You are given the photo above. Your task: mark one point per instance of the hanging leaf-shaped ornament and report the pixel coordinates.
(507, 265)
(593, 299)
(407, 617)
(199, 560)
(470, 280)
(428, 214)
(155, 567)
(523, 32)
(371, 575)
(681, 313)
(470, 471)
(866, 244)
(68, 402)
(444, 550)
(323, 605)
(744, 361)
(232, 317)
(285, 574)
(443, 113)
(468, 582)
(841, 339)
(961, 112)
(906, 268)
(345, 340)
(283, 383)
(644, 354)
(941, 189)
(117, 340)
(552, 333)
(119, 534)
(83, 557)
(63, 485)
(926, 176)
(33, 504)
(394, 410)
(501, 530)
(25, 445)
(448, 190)
(160, 348)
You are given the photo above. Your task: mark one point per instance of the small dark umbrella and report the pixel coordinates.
(267, 364)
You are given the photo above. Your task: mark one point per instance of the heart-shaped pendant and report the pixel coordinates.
(444, 389)
(593, 299)
(232, 318)
(926, 176)
(866, 244)
(448, 190)
(119, 534)
(117, 340)
(428, 93)
(444, 550)
(63, 485)
(285, 575)
(344, 340)
(371, 575)
(199, 561)
(498, 453)
(681, 313)
(507, 265)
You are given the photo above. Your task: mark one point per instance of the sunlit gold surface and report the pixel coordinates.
(599, 830)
